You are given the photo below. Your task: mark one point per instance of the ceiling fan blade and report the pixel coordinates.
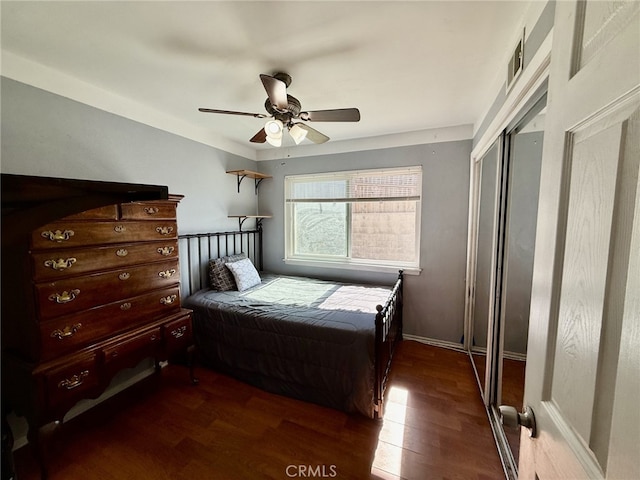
(230, 112)
(314, 135)
(277, 92)
(337, 115)
(259, 137)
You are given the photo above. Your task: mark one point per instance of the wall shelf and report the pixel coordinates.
(243, 218)
(241, 174)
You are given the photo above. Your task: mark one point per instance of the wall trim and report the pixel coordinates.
(420, 137)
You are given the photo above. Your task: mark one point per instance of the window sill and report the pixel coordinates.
(354, 266)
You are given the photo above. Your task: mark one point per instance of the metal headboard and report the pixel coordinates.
(196, 249)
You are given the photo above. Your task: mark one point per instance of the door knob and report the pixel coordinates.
(510, 417)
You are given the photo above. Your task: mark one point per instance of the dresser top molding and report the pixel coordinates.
(31, 201)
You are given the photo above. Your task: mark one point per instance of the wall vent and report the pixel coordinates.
(516, 63)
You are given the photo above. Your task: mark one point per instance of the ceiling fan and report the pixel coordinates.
(283, 109)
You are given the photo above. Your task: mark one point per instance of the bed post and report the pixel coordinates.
(399, 305)
(388, 334)
(259, 229)
(379, 370)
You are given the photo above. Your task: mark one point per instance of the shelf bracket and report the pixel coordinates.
(240, 178)
(258, 180)
(241, 221)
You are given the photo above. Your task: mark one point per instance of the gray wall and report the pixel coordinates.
(434, 300)
(49, 135)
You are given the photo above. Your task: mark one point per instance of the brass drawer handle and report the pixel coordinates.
(58, 235)
(168, 300)
(67, 331)
(74, 381)
(64, 297)
(166, 251)
(167, 273)
(119, 229)
(179, 332)
(125, 306)
(60, 264)
(124, 276)
(122, 252)
(164, 230)
(151, 210)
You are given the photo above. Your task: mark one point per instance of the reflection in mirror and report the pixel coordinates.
(484, 259)
(525, 156)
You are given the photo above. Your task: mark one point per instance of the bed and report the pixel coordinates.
(330, 343)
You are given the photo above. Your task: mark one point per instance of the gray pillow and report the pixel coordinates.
(244, 273)
(220, 277)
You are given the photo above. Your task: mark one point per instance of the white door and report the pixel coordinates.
(583, 368)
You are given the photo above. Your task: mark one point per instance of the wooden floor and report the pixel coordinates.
(435, 427)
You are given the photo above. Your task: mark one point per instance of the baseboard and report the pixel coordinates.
(521, 357)
(121, 382)
(435, 343)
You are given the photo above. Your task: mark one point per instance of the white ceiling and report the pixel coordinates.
(408, 66)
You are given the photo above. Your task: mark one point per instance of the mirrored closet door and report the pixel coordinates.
(487, 175)
(503, 229)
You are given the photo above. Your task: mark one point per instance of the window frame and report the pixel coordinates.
(347, 262)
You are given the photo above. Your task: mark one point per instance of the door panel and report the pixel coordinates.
(588, 333)
(594, 168)
(581, 377)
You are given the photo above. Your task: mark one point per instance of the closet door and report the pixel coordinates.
(503, 235)
(523, 157)
(483, 287)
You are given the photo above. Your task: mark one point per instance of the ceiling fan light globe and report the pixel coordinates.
(275, 142)
(274, 128)
(297, 133)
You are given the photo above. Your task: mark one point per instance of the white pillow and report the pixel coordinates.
(245, 274)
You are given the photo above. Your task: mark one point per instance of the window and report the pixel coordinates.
(356, 219)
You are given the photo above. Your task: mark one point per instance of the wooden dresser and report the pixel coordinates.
(91, 294)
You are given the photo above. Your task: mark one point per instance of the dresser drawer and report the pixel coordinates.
(66, 334)
(63, 234)
(148, 211)
(79, 293)
(178, 334)
(56, 264)
(69, 382)
(132, 349)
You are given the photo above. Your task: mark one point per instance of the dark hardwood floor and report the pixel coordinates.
(435, 427)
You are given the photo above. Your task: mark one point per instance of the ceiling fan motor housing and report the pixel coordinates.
(284, 108)
(293, 109)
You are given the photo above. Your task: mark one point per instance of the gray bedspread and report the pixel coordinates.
(300, 337)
